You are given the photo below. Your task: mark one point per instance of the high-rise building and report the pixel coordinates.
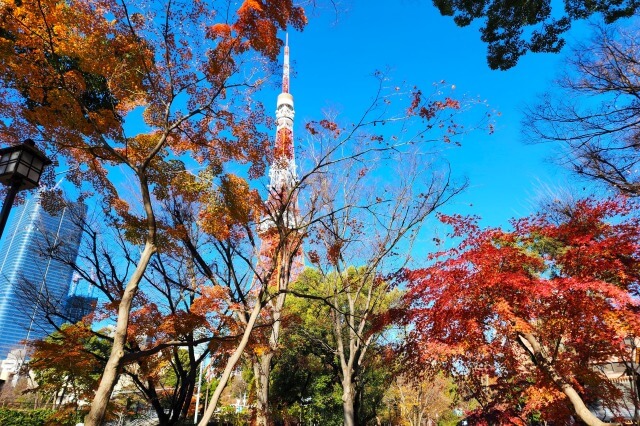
(78, 306)
(28, 276)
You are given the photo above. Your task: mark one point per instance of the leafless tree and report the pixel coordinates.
(365, 237)
(594, 110)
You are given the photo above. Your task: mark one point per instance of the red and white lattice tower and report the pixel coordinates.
(280, 230)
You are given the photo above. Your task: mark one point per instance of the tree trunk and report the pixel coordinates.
(634, 393)
(114, 364)
(547, 368)
(581, 410)
(262, 363)
(348, 397)
(262, 371)
(163, 419)
(192, 378)
(60, 398)
(231, 363)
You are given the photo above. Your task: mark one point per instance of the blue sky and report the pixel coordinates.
(333, 62)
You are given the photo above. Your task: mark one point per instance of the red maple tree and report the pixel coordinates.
(524, 316)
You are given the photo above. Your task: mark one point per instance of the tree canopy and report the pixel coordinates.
(73, 73)
(513, 28)
(524, 316)
(174, 252)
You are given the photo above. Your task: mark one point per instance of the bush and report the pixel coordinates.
(9, 417)
(66, 416)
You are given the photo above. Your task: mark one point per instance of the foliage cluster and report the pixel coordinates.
(11, 417)
(513, 28)
(523, 317)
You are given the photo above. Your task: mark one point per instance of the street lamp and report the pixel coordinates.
(20, 168)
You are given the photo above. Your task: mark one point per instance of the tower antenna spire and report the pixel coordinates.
(285, 67)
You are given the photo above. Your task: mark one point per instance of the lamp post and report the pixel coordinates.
(20, 168)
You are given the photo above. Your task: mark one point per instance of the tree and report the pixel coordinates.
(166, 326)
(303, 378)
(183, 301)
(523, 316)
(73, 74)
(306, 380)
(420, 398)
(234, 213)
(595, 111)
(365, 226)
(350, 341)
(511, 29)
(64, 363)
(67, 366)
(371, 225)
(361, 230)
(412, 119)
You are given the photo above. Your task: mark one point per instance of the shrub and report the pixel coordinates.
(9, 417)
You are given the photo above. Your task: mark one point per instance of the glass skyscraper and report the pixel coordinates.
(28, 276)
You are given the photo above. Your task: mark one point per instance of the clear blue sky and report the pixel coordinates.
(333, 62)
(334, 58)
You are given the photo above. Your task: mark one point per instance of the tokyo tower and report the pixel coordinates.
(280, 231)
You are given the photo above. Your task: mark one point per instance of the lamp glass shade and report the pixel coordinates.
(38, 164)
(23, 170)
(23, 163)
(26, 157)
